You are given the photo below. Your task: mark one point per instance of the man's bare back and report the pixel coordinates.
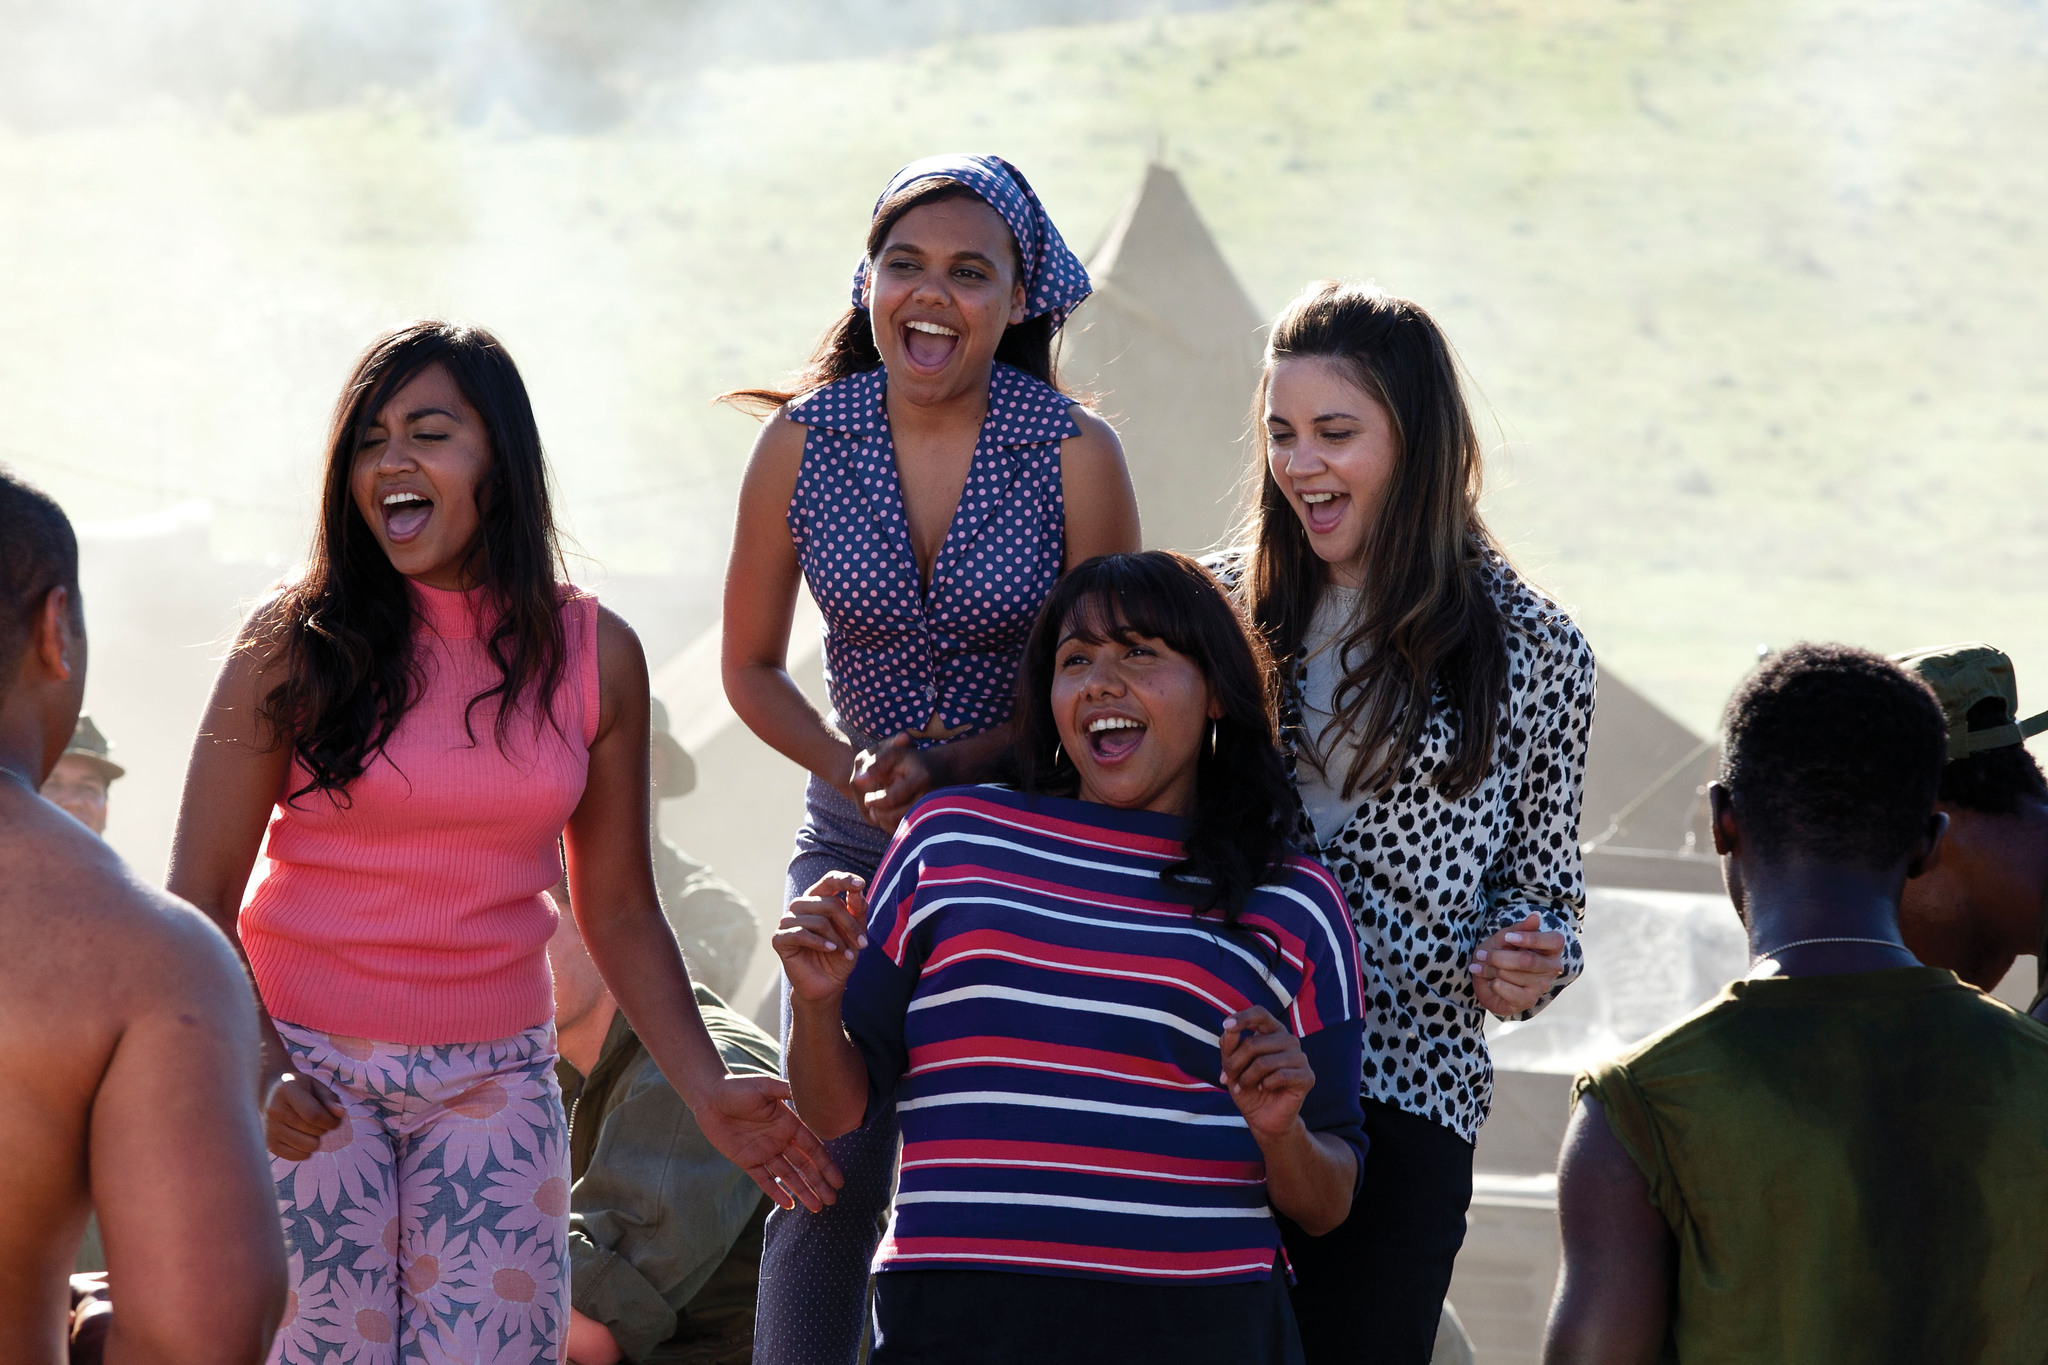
(128, 1044)
(130, 1074)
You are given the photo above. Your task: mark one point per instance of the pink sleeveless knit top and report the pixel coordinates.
(414, 911)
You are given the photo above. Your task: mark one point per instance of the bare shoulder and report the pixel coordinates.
(255, 662)
(85, 941)
(618, 644)
(1096, 450)
(778, 454)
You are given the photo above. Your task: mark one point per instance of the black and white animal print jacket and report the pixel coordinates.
(1429, 878)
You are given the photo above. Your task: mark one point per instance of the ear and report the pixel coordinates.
(867, 287)
(1017, 313)
(1927, 852)
(1727, 826)
(53, 642)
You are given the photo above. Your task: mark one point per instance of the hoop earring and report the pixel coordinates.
(1058, 755)
(1213, 728)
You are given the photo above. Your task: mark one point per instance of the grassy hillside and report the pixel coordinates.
(1753, 292)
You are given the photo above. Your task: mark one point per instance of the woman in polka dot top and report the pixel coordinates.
(929, 483)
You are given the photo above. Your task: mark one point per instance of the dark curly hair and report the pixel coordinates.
(1833, 752)
(345, 628)
(1237, 835)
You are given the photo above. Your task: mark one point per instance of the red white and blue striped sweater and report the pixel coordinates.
(1046, 1013)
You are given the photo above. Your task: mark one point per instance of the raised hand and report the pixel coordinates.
(888, 779)
(821, 936)
(1265, 1071)
(300, 1113)
(748, 1118)
(1515, 967)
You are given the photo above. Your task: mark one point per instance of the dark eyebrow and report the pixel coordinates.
(1336, 417)
(418, 413)
(958, 256)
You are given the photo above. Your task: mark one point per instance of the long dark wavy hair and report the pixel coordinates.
(344, 629)
(1237, 835)
(1430, 632)
(849, 348)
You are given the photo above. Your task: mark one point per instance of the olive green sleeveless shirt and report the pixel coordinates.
(1855, 1169)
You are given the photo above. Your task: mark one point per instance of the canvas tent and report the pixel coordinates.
(1168, 348)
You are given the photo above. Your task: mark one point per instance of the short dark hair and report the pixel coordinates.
(1993, 781)
(1833, 752)
(1237, 837)
(38, 552)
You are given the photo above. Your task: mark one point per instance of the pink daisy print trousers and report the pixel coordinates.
(432, 1225)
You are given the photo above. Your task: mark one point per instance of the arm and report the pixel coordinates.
(1095, 484)
(238, 767)
(761, 579)
(819, 942)
(1101, 518)
(1310, 1176)
(611, 892)
(1530, 949)
(187, 1206)
(1613, 1301)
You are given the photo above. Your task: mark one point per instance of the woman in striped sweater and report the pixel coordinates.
(1118, 1016)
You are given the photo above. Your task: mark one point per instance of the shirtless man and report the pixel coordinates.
(130, 1072)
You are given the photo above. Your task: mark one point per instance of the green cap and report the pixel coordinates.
(1964, 675)
(88, 743)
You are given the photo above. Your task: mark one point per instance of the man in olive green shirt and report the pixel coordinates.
(1845, 1155)
(664, 1232)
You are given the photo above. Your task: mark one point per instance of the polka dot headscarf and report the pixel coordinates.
(1054, 278)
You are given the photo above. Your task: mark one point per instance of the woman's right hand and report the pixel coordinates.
(821, 936)
(301, 1112)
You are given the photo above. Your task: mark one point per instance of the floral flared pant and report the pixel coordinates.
(432, 1225)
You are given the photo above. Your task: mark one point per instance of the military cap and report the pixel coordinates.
(1962, 676)
(89, 744)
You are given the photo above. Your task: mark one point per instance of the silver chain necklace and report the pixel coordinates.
(1809, 942)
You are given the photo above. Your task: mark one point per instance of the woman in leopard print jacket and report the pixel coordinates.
(1434, 709)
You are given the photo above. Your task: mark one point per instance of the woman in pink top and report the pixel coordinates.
(417, 719)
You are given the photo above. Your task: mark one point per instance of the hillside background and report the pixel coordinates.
(1752, 293)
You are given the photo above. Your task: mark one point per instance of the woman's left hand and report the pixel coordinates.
(748, 1119)
(1265, 1071)
(1516, 967)
(889, 779)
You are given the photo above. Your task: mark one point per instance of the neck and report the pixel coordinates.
(1798, 901)
(581, 1041)
(23, 746)
(940, 417)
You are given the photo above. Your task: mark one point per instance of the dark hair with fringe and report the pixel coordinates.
(1430, 632)
(38, 554)
(344, 630)
(1833, 752)
(1992, 781)
(1237, 836)
(849, 347)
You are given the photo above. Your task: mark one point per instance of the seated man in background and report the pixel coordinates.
(664, 1233)
(79, 782)
(1845, 1155)
(1985, 901)
(713, 922)
(129, 1079)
